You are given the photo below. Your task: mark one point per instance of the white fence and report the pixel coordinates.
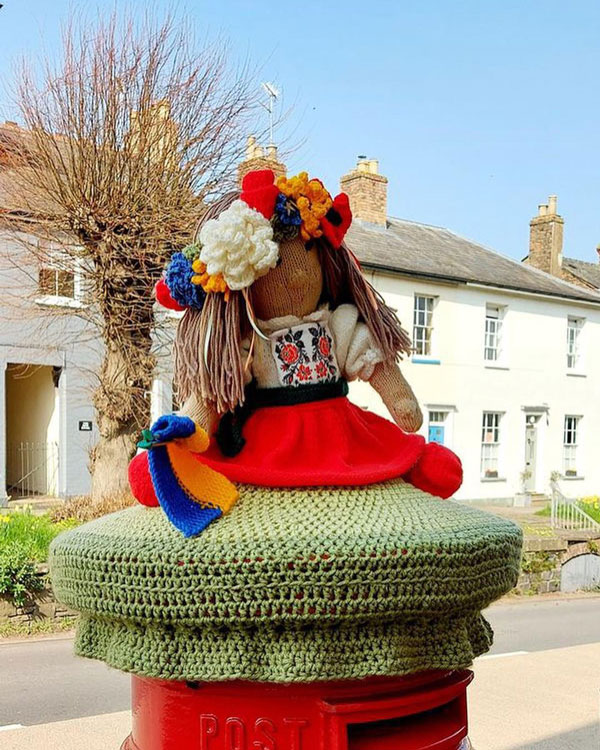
(32, 469)
(566, 513)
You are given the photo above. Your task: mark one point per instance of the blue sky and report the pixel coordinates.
(476, 110)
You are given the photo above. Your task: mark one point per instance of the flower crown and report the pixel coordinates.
(240, 245)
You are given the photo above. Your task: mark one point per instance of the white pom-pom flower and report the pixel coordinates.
(238, 244)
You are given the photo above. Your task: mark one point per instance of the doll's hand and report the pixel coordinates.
(397, 395)
(406, 413)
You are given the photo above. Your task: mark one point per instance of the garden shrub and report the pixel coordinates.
(18, 576)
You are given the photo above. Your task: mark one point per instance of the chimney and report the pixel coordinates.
(257, 159)
(367, 190)
(546, 238)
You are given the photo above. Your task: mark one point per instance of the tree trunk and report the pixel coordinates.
(122, 402)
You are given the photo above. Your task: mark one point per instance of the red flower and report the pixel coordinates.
(324, 346)
(163, 296)
(336, 221)
(260, 192)
(304, 372)
(289, 353)
(321, 369)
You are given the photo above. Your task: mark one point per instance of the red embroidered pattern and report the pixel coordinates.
(304, 354)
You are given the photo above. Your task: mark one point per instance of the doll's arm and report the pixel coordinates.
(397, 395)
(201, 412)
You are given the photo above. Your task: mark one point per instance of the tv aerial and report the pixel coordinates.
(273, 95)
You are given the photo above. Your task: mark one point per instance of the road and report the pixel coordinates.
(43, 682)
(540, 624)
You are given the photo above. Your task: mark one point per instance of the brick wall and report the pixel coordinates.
(367, 191)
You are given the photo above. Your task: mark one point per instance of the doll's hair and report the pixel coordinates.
(209, 363)
(344, 281)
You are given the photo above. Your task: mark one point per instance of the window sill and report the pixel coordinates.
(495, 366)
(51, 300)
(421, 360)
(493, 479)
(576, 374)
(571, 479)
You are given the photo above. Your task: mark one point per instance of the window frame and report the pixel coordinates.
(571, 443)
(57, 261)
(493, 340)
(426, 325)
(576, 365)
(489, 458)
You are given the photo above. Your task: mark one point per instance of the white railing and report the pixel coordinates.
(32, 469)
(566, 514)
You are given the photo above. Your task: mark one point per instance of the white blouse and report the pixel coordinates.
(318, 348)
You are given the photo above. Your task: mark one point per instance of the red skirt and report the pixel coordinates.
(320, 443)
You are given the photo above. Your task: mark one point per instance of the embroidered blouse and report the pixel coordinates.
(318, 348)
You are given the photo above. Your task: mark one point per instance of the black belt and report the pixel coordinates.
(229, 434)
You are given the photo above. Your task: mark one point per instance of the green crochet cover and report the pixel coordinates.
(292, 585)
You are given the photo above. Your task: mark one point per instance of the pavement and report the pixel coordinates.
(547, 700)
(536, 690)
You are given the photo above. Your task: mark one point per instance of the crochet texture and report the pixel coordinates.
(292, 585)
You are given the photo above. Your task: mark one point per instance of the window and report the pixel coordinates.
(55, 278)
(493, 333)
(574, 326)
(570, 446)
(490, 445)
(55, 282)
(422, 328)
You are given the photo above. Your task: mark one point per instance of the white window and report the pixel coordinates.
(55, 281)
(422, 324)
(574, 326)
(493, 333)
(570, 438)
(60, 279)
(490, 445)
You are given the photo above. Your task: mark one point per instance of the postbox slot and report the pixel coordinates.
(440, 728)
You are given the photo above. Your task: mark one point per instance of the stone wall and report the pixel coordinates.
(40, 606)
(543, 559)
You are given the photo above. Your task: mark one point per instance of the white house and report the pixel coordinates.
(505, 355)
(49, 357)
(504, 361)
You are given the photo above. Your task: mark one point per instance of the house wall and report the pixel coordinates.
(532, 379)
(44, 334)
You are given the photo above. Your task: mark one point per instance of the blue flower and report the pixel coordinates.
(179, 280)
(287, 211)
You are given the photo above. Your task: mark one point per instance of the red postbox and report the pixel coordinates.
(426, 711)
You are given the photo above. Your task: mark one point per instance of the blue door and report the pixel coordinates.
(436, 433)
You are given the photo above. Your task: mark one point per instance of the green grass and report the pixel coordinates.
(31, 533)
(36, 627)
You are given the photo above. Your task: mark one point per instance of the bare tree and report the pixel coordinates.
(127, 137)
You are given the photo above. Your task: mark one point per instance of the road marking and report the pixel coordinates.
(499, 656)
(11, 726)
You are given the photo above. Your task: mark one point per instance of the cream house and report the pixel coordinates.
(505, 355)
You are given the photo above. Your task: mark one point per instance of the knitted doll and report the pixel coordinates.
(278, 318)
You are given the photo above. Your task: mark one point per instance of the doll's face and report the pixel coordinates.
(294, 287)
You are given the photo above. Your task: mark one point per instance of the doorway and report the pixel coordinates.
(531, 452)
(32, 430)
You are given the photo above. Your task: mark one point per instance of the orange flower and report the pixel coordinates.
(312, 199)
(209, 283)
